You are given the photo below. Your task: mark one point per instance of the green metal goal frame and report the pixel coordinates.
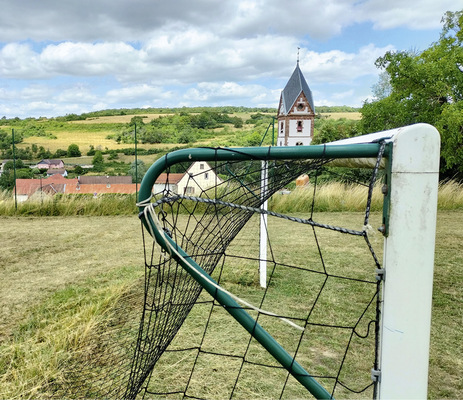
(410, 155)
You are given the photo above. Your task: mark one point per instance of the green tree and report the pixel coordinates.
(425, 87)
(7, 177)
(329, 130)
(98, 161)
(78, 170)
(137, 171)
(42, 153)
(73, 151)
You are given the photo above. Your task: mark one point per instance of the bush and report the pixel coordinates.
(73, 151)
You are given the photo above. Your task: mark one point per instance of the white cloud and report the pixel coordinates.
(81, 55)
(19, 61)
(339, 66)
(138, 93)
(415, 14)
(124, 20)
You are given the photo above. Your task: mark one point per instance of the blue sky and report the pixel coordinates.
(64, 57)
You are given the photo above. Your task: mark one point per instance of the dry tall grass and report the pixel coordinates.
(332, 196)
(450, 196)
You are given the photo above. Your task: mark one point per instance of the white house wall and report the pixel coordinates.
(160, 187)
(198, 177)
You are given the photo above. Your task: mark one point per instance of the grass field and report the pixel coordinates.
(59, 275)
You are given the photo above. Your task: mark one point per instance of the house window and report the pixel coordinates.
(299, 126)
(189, 190)
(201, 166)
(281, 127)
(206, 175)
(299, 144)
(300, 106)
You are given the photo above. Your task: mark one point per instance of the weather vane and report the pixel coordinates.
(298, 54)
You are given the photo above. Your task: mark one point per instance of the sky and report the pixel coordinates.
(77, 56)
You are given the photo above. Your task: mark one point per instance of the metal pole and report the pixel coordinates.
(273, 131)
(263, 237)
(136, 164)
(14, 172)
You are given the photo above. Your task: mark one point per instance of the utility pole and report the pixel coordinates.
(14, 172)
(136, 164)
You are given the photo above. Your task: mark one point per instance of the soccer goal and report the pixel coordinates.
(328, 322)
(343, 309)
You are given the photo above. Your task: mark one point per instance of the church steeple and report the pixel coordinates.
(296, 112)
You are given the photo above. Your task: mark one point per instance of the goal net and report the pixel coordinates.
(293, 305)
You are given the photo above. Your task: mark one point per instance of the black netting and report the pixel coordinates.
(168, 339)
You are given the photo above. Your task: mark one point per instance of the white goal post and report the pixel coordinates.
(410, 230)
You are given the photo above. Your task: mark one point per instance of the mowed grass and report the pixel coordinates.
(60, 276)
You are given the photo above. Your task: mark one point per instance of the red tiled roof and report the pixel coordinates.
(169, 178)
(93, 179)
(27, 186)
(58, 178)
(54, 183)
(100, 188)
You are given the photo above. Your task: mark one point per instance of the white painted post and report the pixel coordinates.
(409, 263)
(263, 227)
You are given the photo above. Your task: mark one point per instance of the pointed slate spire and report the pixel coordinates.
(295, 86)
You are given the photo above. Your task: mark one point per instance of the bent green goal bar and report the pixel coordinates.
(411, 163)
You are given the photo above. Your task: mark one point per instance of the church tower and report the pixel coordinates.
(296, 112)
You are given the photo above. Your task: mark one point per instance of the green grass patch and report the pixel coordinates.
(57, 327)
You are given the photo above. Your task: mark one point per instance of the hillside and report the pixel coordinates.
(158, 131)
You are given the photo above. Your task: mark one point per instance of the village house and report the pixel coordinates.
(104, 180)
(199, 176)
(167, 182)
(56, 183)
(54, 171)
(2, 163)
(50, 164)
(28, 188)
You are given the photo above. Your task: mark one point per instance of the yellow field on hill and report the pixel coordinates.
(347, 115)
(84, 139)
(124, 119)
(119, 119)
